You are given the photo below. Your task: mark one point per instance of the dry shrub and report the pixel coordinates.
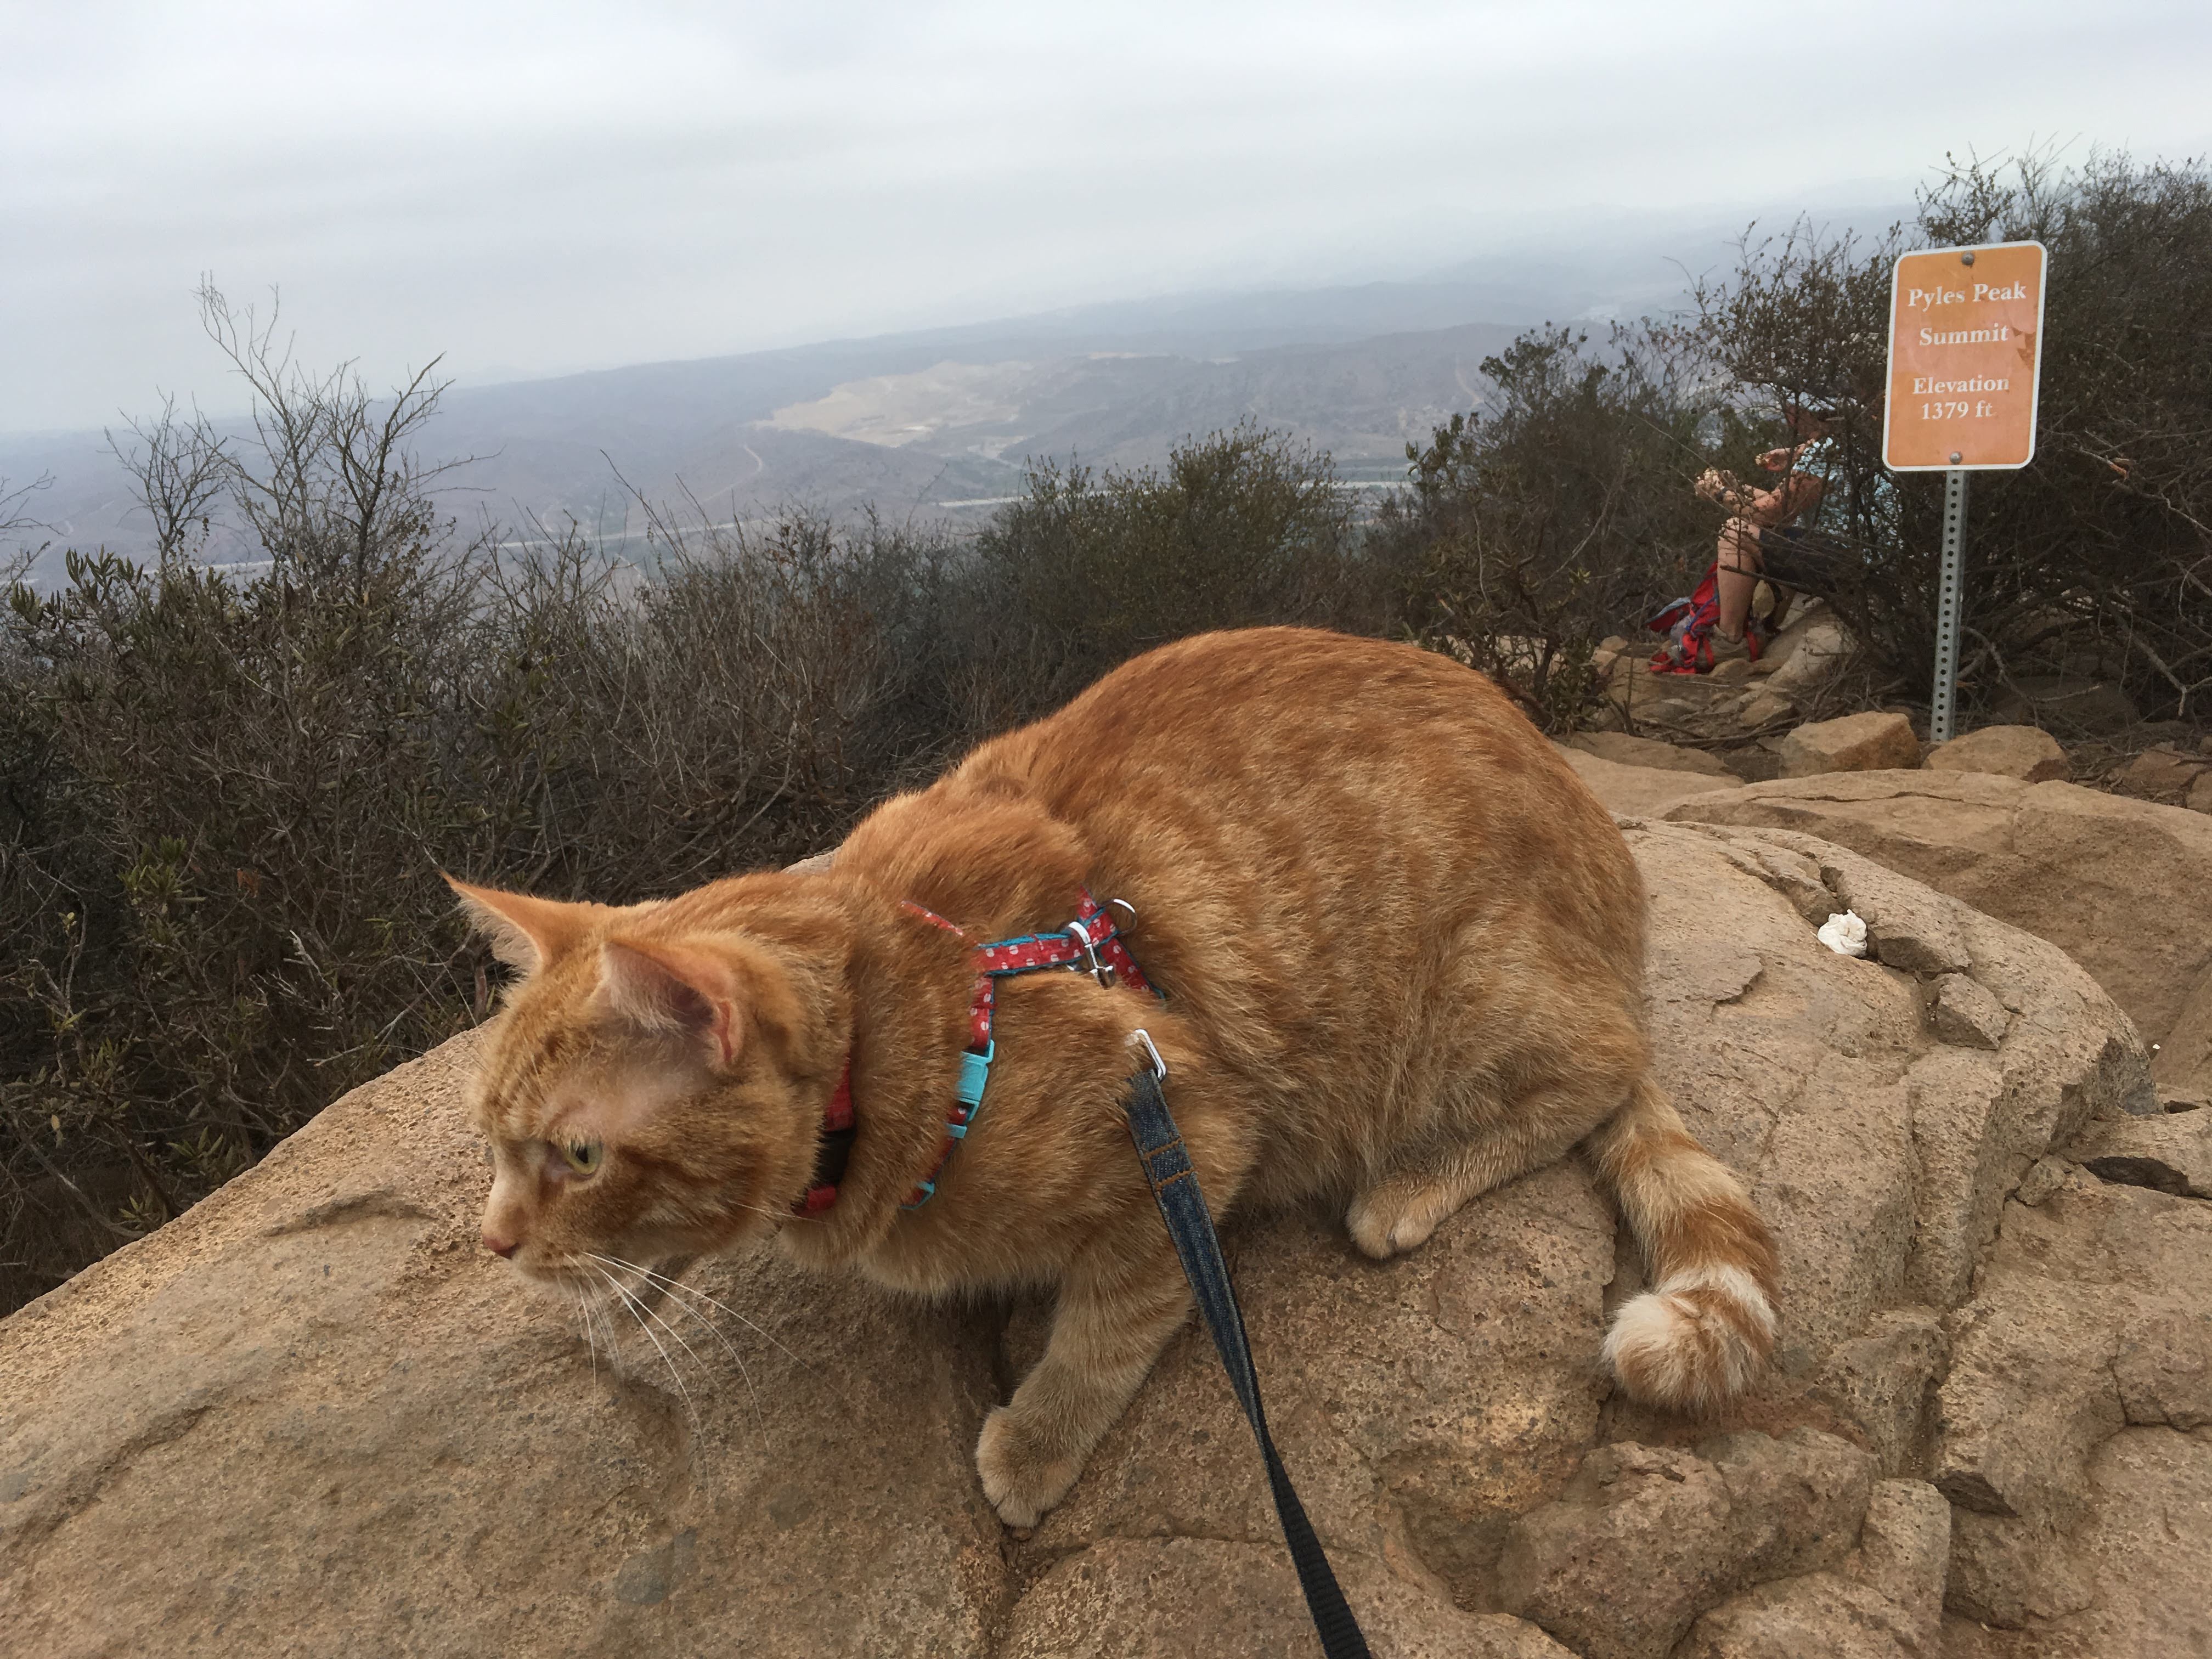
(2097, 557)
(1241, 528)
(1561, 510)
(1558, 513)
(226, 795)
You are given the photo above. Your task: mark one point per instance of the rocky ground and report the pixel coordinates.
(1741, 718)
(311, 1416)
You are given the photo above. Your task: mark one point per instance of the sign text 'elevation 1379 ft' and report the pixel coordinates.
(1965, 354)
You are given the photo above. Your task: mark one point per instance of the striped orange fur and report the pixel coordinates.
(1402, 948)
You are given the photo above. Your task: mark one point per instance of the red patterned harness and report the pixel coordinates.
(1091, 943)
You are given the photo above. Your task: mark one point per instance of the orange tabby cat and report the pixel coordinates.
(1402, 952)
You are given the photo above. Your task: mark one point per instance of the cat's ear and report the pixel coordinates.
(674, 987)
(524, 932)
(718, 988)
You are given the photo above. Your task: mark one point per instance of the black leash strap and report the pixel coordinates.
(1190, 1224)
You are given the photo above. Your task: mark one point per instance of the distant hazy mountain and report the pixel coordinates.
(919, 426)
(938, 424)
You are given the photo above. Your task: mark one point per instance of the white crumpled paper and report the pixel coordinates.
(1844, 934)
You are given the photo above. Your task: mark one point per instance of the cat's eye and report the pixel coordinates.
(584, 1157)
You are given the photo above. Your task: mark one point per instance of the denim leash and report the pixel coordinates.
(1190, 1224)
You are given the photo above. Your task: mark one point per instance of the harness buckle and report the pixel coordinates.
(1097, 970)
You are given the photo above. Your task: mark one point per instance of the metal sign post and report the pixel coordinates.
(1948, 605)
(1966, 366)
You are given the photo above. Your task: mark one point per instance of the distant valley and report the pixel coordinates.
(908, 430)
(939, 424)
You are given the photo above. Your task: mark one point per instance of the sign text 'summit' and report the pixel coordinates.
(1965, 349)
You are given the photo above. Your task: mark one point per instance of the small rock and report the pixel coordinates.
(1644, 1538)
(2045, 1177)
(1616, 643)
(2163, 1370)
(1886, 1602)
(1884, 1380)
(1619, 747)
(1764, 705)
(2160, 775)
(2008, 751)
(1620, 1563)
(1796, 1502)
(1823, 1614)
(1960, 1010)
(1734, 672)
(1857, 743)
(2169, 1154)
(2199, 799)
(1904, 1544)
(1807, 655)
(1956, 1098)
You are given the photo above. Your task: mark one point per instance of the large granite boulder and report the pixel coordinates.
(311, 1416)
(2092, 1315)
(1628, 789)
(2125, 887)
(1626, 750)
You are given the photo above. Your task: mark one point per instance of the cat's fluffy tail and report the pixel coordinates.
(1698, 1336)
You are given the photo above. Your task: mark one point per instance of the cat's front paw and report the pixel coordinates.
(1024, 1473)
(1397, 1215)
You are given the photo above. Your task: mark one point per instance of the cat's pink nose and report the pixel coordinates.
(498, 1246)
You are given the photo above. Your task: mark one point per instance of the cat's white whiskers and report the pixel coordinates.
(676, 1291)
(638, 1310)
(584, 1309)
(599, 1311)
(677, 1286)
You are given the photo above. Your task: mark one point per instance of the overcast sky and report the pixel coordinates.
(546, 186)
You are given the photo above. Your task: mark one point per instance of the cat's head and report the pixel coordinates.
(652, 1088)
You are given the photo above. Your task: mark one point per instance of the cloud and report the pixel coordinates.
(550, 187)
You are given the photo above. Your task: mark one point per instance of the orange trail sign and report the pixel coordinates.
(1965, 358)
